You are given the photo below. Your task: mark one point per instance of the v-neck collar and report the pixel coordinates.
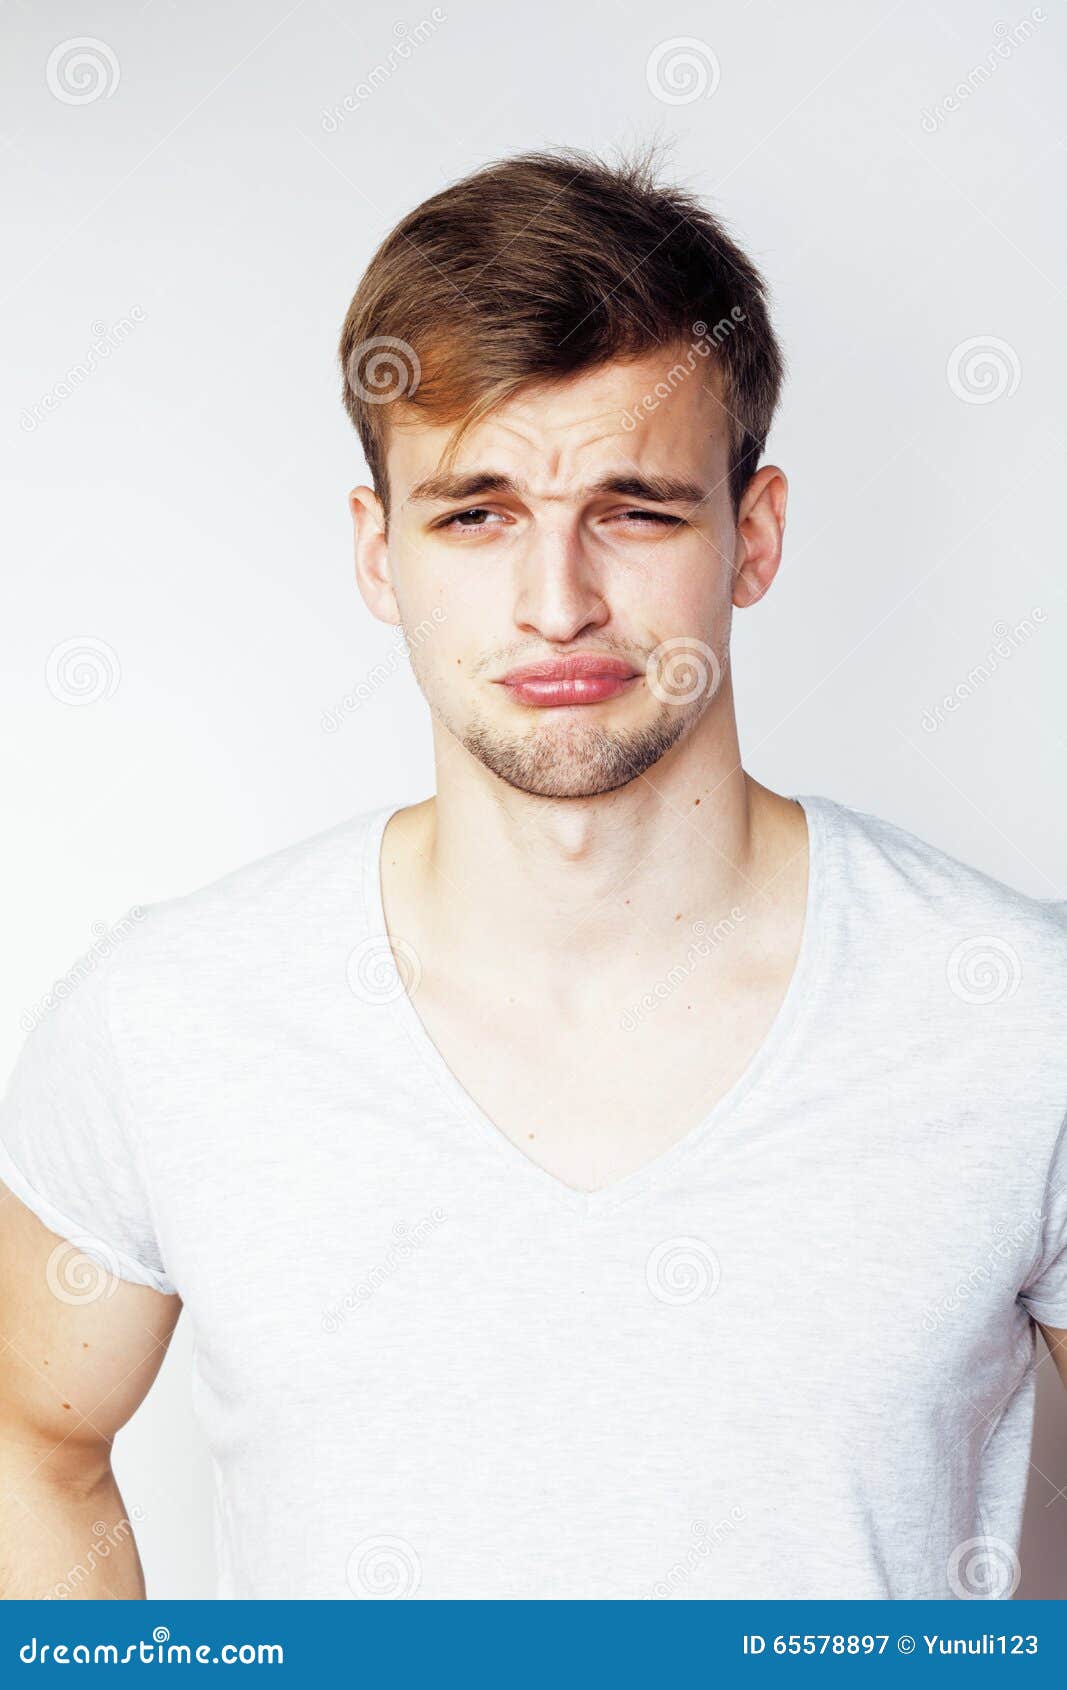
(797, 1002)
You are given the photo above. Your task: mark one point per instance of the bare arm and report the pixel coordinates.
(78, 1352)
(1056, 1339)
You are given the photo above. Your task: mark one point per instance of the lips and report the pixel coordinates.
(584, 679)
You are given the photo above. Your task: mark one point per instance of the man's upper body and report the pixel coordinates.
(788, 1353)
(608, 1176)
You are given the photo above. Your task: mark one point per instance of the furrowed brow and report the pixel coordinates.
(457, 487)
(651, 489)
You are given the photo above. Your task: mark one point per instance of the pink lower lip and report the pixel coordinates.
(542, 690)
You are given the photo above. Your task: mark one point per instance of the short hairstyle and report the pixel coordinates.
(542, 266)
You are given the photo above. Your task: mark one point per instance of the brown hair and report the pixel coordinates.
(541, 266)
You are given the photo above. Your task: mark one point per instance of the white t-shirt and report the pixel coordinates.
(790, 1357)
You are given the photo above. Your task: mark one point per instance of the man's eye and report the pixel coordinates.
(660, 518)
(476, 517)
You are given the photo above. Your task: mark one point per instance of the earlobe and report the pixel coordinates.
(748, 590)
(761, 525)
(372, 555)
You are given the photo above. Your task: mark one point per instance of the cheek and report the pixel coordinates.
(691, 597)
(448, 626)
(472, 607)
(431, 577)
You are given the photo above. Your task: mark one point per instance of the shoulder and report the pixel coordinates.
(922, 900)
(251, 925)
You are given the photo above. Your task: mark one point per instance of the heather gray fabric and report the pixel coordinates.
(790, 1358)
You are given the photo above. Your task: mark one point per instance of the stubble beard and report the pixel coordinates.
(575, 760)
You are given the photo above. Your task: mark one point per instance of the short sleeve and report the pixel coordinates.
(67, 1145)
(1045, 1293)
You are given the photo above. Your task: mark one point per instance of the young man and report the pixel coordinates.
(607, 1177)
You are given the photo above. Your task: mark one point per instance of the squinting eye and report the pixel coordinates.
(660, 518)
(474, 518)
(477, 517)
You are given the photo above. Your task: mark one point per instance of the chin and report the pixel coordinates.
(573, 761)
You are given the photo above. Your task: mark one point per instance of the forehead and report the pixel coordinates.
(662, 412)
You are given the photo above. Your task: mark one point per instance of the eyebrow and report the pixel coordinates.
(651, 489)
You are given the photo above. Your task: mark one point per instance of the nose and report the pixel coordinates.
(559, 592)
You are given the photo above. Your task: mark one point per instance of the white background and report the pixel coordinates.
(183, 500)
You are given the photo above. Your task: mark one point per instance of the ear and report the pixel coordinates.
(372, 554)
(760, 527)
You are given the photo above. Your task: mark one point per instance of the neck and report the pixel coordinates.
(506, 882)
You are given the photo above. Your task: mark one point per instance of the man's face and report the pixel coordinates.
(578, 522)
